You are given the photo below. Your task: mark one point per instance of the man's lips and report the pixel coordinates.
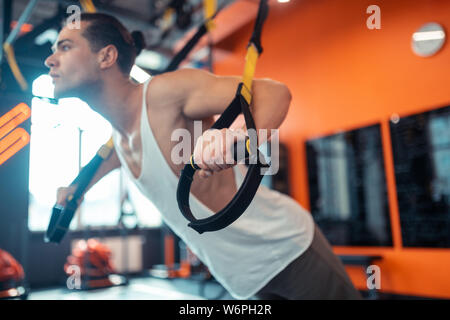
(54, 77)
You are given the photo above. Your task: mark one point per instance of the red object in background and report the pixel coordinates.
(11, 277)
(92, 257)
(26, 27)
(10, 269)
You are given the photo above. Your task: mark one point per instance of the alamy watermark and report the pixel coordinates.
(74, 280)
(74, 20)
(374, 20)
(223, 141)
(373, 277)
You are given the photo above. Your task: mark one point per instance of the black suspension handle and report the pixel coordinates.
(237, 155)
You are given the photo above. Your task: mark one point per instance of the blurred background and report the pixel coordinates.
(365, 146)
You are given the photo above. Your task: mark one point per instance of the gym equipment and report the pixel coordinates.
(11, 277)
(241, 103)
(63, 215)
(91, 262)
(170, 269)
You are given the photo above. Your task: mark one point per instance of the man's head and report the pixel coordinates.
(101, 47)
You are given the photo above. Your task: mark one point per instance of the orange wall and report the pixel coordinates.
(343, 76)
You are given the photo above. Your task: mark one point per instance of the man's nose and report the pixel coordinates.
(50, 61)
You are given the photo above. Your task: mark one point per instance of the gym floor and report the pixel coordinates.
(148, 288)
(140, 289)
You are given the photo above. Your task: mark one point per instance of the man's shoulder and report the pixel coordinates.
(179, 79)
(171, 89)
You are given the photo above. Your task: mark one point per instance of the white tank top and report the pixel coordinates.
(243, 257)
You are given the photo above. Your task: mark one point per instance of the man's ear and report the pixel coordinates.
(107, 56)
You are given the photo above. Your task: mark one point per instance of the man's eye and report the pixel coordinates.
(65, 48)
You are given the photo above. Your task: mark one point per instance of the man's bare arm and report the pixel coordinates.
(106, 167)
(200, 94)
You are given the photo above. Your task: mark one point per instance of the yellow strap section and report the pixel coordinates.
(110, 143)
(106, 149)
(192, 163)
(247, 145)
(9, 51)
(88, 6)
(167, 18)
(250, 65)
(209, 8)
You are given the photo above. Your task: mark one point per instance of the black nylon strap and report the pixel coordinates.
(62, 215)
(227, 215)
(242, 199)
(263, 11)
(236, 207)
(180, 56)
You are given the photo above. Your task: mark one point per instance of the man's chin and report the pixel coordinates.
(60, 94)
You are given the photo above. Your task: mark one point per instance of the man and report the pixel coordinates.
(274, 250)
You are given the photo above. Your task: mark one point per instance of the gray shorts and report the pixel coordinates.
(317, 274)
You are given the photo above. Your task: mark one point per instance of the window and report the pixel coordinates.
(347, 187)
(421, 147)
(64, 138)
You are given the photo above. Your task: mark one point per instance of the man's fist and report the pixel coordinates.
(214, 150)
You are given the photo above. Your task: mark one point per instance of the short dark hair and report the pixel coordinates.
(104, 29)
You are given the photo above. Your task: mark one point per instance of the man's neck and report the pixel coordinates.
(119, 102)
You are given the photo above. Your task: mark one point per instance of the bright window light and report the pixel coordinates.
(65, 137)
(138, 74)
(43, 86)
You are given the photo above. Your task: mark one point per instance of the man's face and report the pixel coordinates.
(73, 66)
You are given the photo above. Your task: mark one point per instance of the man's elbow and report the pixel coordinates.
(285, 98)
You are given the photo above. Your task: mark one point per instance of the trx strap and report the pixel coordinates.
(240, 103)
(210, 13)
(8, 48)
(62, 215)
(181, 55)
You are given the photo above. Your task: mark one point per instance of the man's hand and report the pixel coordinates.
(214, 150)
(63, 192)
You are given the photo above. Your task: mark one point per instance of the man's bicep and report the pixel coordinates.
(209, 94)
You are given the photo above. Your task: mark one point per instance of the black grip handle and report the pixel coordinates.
(60, 221)
(63, 215)
(238, 146)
